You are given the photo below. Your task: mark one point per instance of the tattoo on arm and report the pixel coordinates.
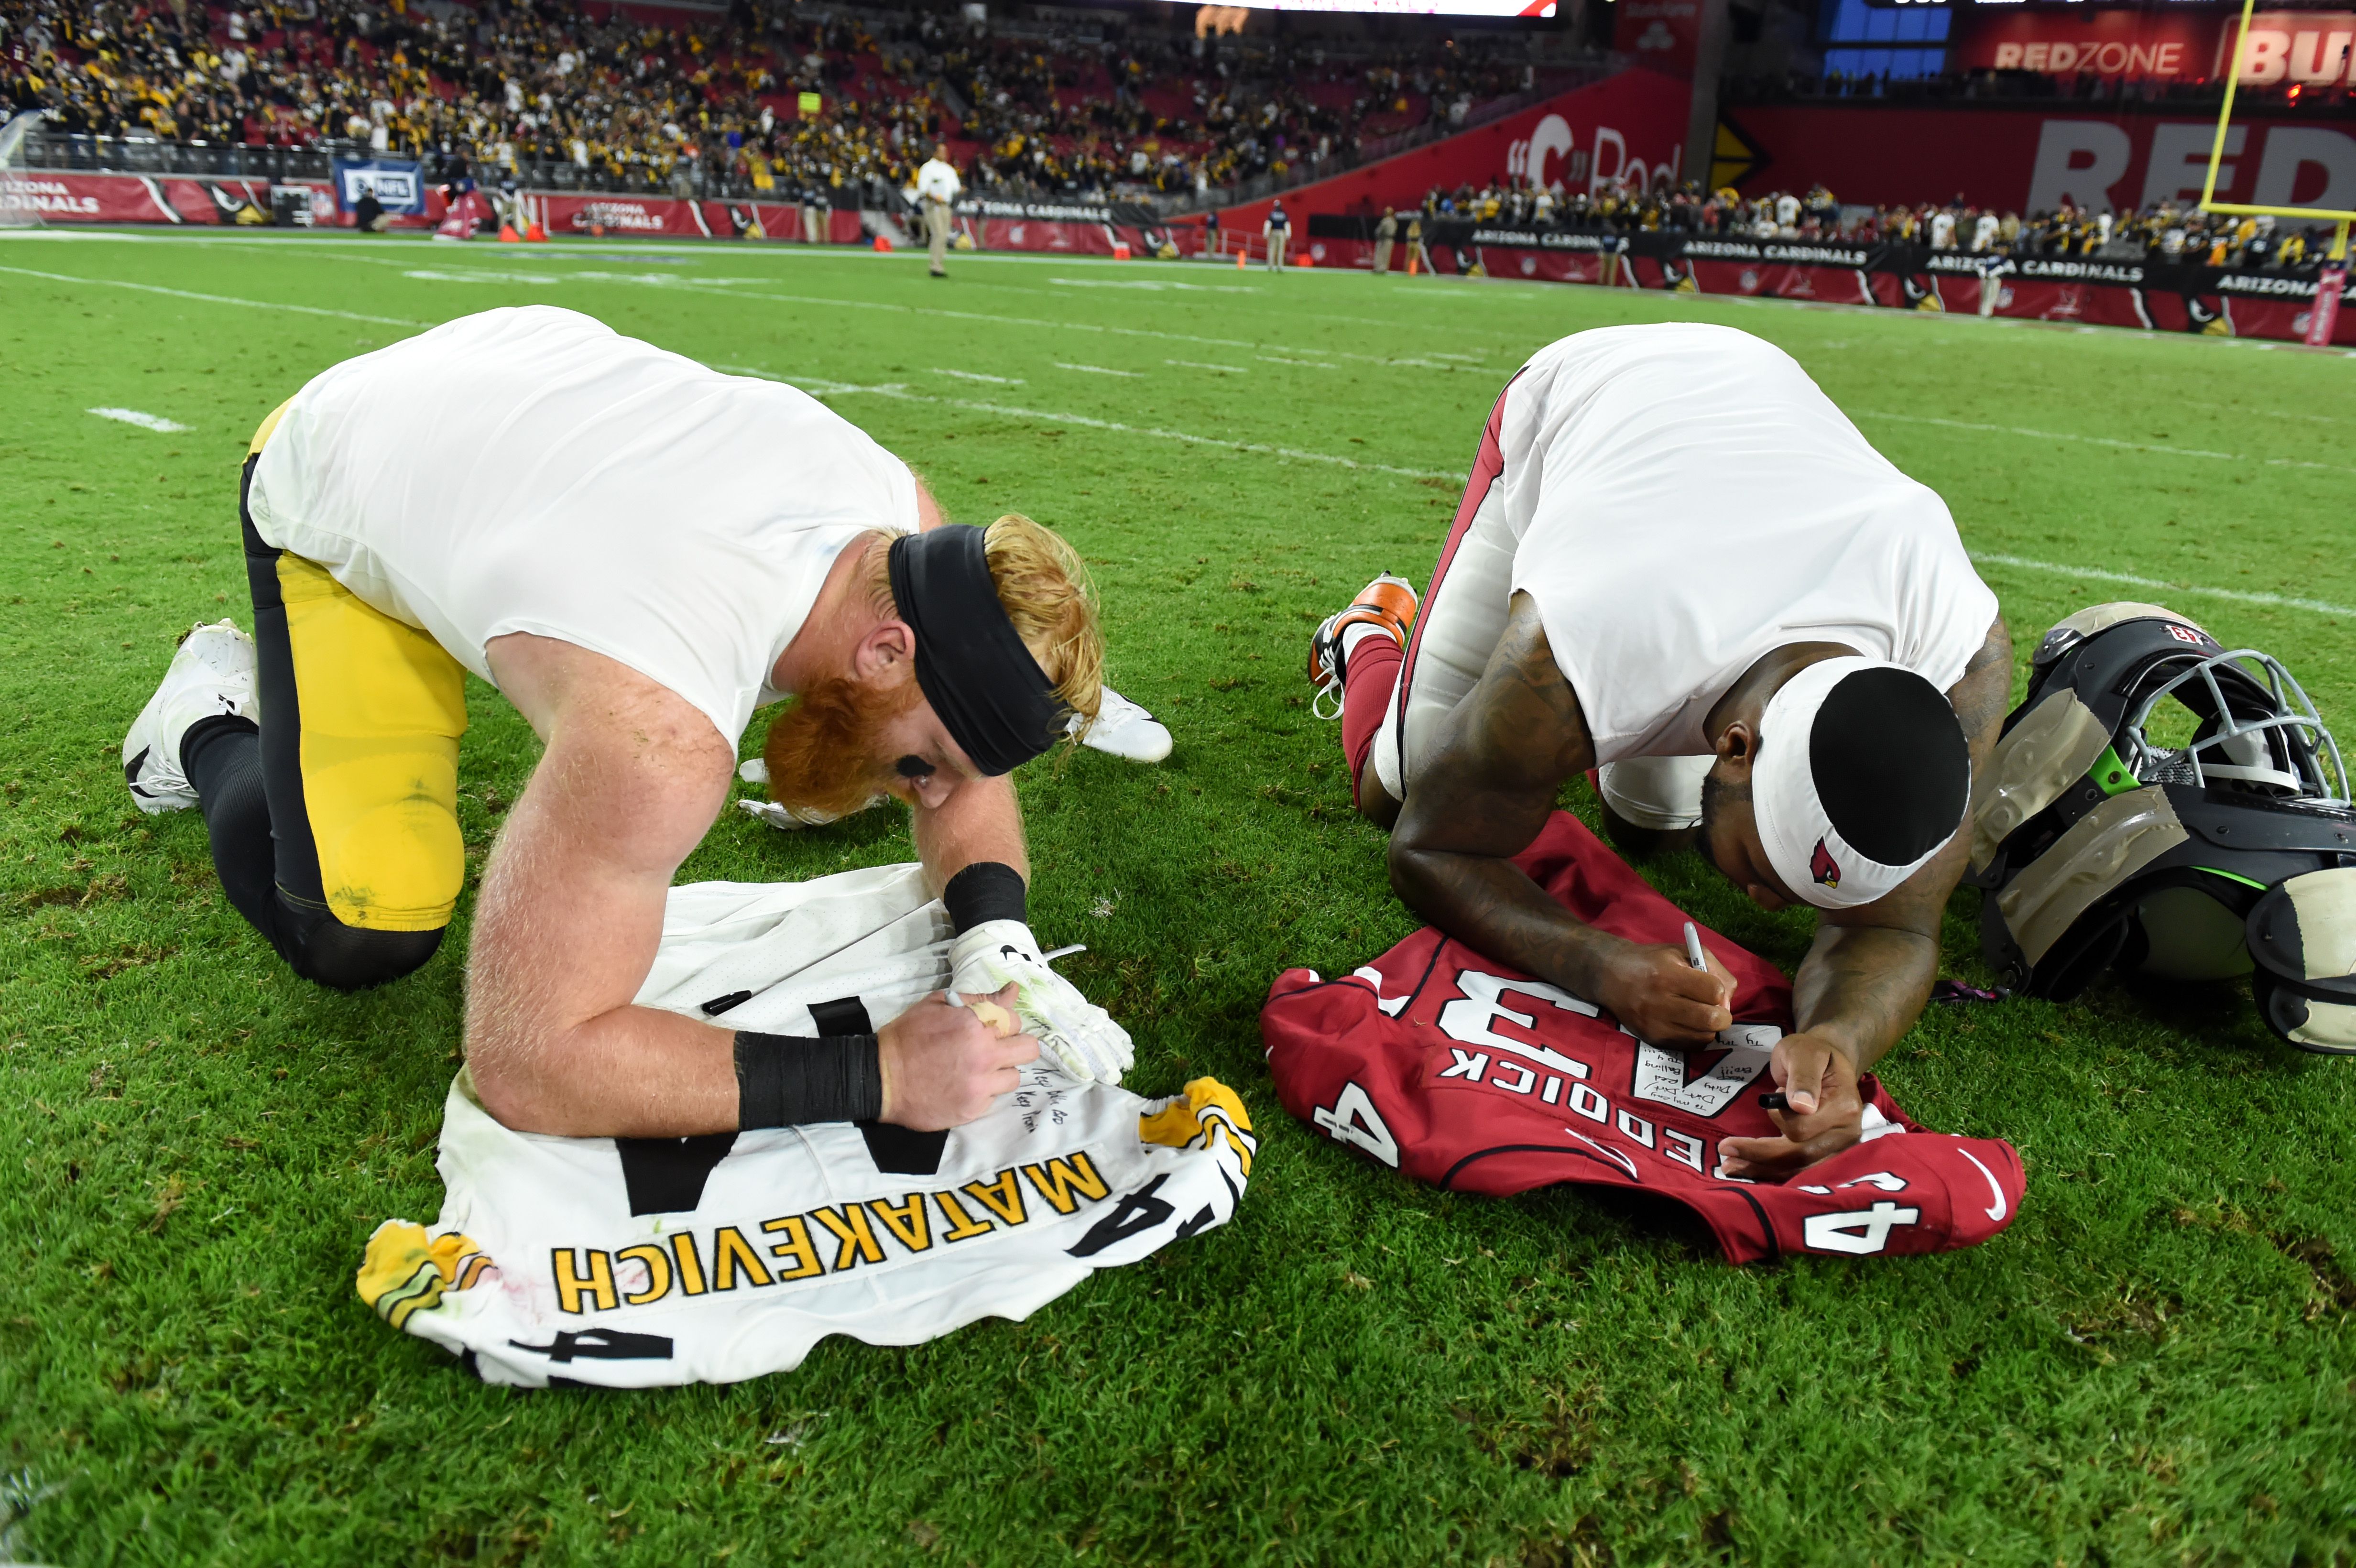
(1984, 695)
(1481, 798)
(1530, 710)
(1862, 986)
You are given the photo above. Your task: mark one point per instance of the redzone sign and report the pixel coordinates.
(2132, 45)
(2115, 57)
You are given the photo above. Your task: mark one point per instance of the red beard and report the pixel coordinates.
(827, 751)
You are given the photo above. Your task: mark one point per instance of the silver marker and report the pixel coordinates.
(1694, 954)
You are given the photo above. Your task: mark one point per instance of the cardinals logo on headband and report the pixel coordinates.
(1823, 867)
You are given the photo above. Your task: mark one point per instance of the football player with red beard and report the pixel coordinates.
(1678, 563)
(638, 553)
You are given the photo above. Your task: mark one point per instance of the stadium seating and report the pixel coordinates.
(763, 103)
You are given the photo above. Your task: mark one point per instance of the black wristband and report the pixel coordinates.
(986, 890)
(787, 1081)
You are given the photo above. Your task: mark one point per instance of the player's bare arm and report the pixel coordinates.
(631, 780)
(1870, 970)
(1501, 757)
(979, 823)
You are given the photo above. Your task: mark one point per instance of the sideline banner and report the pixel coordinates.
(398, 184)
(1126, 214)
(995, 226)
(654, 216)
(2221, 301)
(1057, 238)
(2094, 290)
(86, 198)
(56, 197)
(670, 217)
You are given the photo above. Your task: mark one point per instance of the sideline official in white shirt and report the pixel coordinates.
(936, 187)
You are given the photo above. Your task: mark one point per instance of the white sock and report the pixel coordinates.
(1353, 635)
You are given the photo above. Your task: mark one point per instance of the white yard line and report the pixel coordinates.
(2096, 440)
(1151, 284)
(2047, 436)
(1223, 370)
(901, 393)
(723, 287)
(700, 284)
(429, 275)
(979, 375)
(2240, 595)
(218, 299)
(157, 423)
(2295, 462)
(1097, 369)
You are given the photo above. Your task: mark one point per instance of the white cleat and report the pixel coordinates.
(1123, 729)
(794, 819)
(786, 819)
(211, 676)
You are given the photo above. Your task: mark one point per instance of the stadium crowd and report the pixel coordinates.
(760, 101)
(2163, 231)
(512, 82)
(1164, 113)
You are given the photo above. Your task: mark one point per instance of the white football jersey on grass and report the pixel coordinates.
(637, 1262)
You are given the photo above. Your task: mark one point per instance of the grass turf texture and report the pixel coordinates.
(2155, 1363)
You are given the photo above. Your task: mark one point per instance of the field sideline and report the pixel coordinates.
(2156, 1363)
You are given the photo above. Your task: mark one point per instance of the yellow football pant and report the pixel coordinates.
(360, 720)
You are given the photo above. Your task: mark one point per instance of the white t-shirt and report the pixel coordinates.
(1943, 230)
(532, 470)
(1685, 499)
(936, 181)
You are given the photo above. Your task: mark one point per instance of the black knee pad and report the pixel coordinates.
(349, 959)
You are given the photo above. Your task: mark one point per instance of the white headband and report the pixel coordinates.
(1802, 843)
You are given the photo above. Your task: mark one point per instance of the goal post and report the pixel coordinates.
(2322, 316)
(2338, 218)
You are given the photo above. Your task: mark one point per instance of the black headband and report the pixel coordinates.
(995, 701)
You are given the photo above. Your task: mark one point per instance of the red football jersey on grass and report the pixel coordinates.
(1465, 1073)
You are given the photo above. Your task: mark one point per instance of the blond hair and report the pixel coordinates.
(1047, 595)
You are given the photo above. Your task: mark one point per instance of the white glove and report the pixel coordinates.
(1075, 1034)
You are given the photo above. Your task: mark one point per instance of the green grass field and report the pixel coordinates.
(2156, 1363)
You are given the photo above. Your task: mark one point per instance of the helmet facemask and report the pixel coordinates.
(2257, 732)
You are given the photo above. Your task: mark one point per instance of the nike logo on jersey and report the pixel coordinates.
(1996, 1211)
